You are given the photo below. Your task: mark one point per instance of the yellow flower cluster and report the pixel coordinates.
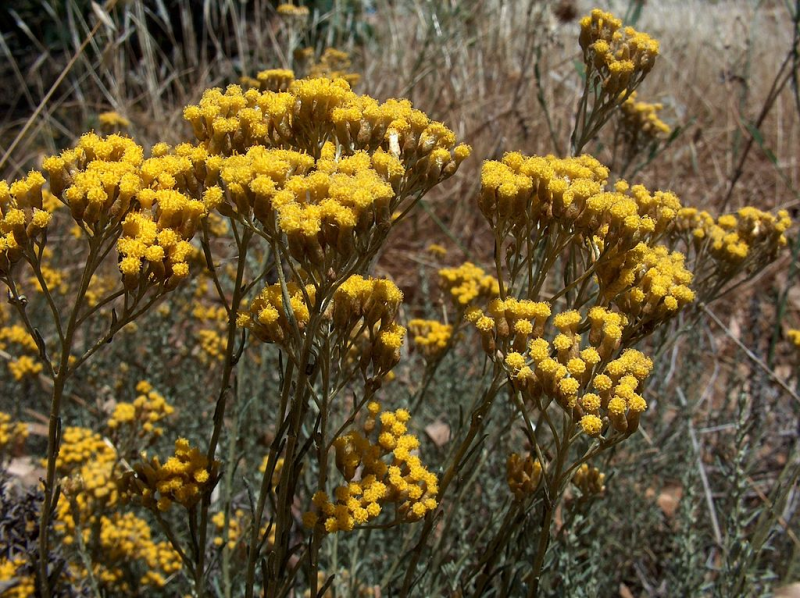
(91, 487)
(98, 179)
(589, 480)
(620, 55)
(334, 64)
(25, 365)
(12, 434)
(183, 478)
(746, 240)
(86, 453)
(212, 345)
(364, 312)
(794, 337)
(373, 300)
(143, 415)
(648, 284)
(319, 164)
(110, 121)
(268, 318)
(238, 522)
(235, 528)
(581, 377)
(275, 80)
(293, 12)
(88, 462)
(640, 121)
(525, 195)
(523, 475)
(314, 111)
(402, 480)
(126, 541)
(100, 287)
(107, 180)
(154, 245)
(22, 217)
(12, 574)
(431, 337)
(511, 322)
(468, 284)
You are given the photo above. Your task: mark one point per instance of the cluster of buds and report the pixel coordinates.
(589, 480)
(523, 475)
(314, 111)
(238, 524)
(98, 179)
(184, 478)
(641, 125)
(126, 540)
(22, 217)
(112, 121)
(582, 377)
(364, 313)
(523, 195)
(87, 462)
(143, 414)
(377, 472)
(510, 323)
(267, 316)
(294, 14)
(723, 248)
(431, 337)
(275, 80)
(618, 56)
(13, 577)
(12, 434)
(25, 363)
(468, 284)
(334, 64)
(361, 315)
(648, 284)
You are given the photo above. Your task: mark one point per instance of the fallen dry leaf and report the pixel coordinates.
(439, 432)
(26, 470)
(670, 498)
(624, 591)
(790, 591)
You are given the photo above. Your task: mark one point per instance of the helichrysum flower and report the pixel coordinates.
(238, 523)
(523, 194)
(111, 121)
(794, 337)
(127, 547)
(589, 480)
(577, 369)
(182, 478)
(523, 475)
(12, 434)
(641, 122)
(97, 179)
(142, 415)
(402, 480)
(732, 243)
(621, 56)
(22, 216)
(468, 284)
(14, 570)
(431, 337)
(334, 64)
